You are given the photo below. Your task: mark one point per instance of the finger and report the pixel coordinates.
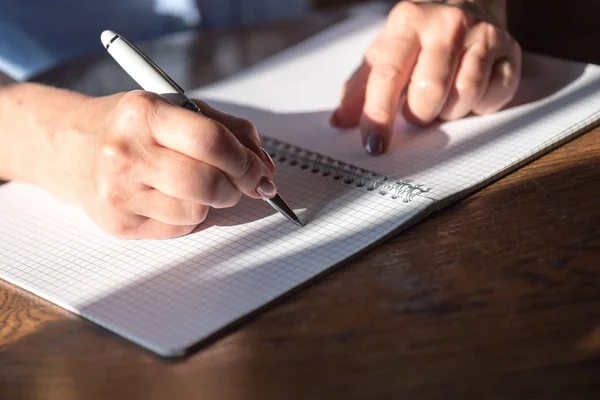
(353, 98)
(133, 226)
(242, 129)
(390, 70)
(185, 178)
(169, 210)
(152, 229)
(209, 141)
(502, 86)
(505, 76)
(470, 83)
(431, 80)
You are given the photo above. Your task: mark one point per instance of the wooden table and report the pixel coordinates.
(496, 297)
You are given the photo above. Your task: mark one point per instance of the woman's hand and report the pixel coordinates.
(445, 61)
(140, 166)
(154, 168)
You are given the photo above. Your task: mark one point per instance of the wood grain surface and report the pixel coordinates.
(496, 297)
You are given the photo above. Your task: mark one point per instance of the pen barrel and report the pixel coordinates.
(148, 77)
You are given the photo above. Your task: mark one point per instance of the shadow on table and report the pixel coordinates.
(511, 327)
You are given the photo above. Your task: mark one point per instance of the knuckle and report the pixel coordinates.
(456, 18)
(136, 102)
(427, 90)
(243, 128)
(469, 86)
(116, 156)
(386, 72)
(403, 10)
(134, 108)
(492, 35)
(245, 125)
(451, 44)
(138, 99)
(449, 31)
(112, 196)
(450, 27)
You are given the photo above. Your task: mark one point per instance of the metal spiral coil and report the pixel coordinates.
(337, 170)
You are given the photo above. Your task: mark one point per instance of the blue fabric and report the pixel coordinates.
(37, 34)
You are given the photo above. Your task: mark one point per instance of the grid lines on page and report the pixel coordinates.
(168, 294)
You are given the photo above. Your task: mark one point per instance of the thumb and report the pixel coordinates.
(242, 129)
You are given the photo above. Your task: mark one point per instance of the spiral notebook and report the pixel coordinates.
(169, 295)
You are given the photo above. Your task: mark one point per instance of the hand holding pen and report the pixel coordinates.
(141, 166)
(235, 162)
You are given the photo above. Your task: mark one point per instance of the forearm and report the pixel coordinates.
(34, 120)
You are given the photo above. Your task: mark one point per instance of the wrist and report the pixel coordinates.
(68, 166)
(36, 123)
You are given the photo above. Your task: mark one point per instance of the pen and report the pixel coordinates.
(153, 79)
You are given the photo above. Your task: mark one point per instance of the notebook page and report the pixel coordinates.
(291, 96)
(167, 295)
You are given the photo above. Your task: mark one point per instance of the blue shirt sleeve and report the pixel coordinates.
(37, 34)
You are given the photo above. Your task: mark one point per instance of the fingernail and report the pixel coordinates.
(270, 161)
(374, 144)
(266, 188)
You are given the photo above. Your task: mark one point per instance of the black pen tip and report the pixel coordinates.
(280, 205)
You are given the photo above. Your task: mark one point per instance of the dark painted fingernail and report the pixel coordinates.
(266, 188)
(269, 160)
(374, 144)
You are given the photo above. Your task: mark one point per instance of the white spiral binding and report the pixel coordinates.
(337, 170)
